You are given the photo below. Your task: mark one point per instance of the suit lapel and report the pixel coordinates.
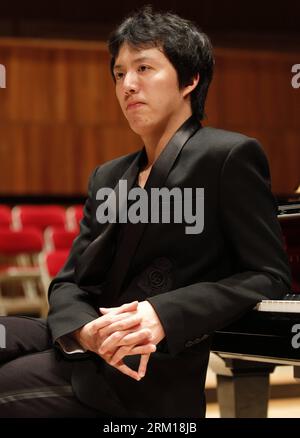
(168, 156)
(96, 260)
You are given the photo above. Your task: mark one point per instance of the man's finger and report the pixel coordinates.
(143, 364)
(112, 342)
(106, 320)
(136, 337)
(128, 351)
(127, 307)
(117, 339)
(120, 325)
(128, 371)
(120, 366)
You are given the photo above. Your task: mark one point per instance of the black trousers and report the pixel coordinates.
(35, 379)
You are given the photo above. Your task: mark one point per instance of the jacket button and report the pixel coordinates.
(156, 278)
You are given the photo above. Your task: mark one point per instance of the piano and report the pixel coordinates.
(247, 351)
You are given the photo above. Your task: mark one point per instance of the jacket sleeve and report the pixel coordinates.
(248, 217)
(70, 306)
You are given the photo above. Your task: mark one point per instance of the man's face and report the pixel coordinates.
(147, 89)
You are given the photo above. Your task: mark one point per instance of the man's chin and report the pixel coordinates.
(140, 127)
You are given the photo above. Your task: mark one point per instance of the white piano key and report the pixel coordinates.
(278, 306)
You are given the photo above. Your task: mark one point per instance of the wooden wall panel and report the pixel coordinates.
(59, 117)
(252, 93)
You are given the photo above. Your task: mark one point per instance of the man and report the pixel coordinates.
(132, 311)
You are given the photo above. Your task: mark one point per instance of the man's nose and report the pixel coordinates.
(130, 83)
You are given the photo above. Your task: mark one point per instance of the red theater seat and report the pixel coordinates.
(39, 216)
(5, 216)
(50, 264)
(18, 265)
(59, 238)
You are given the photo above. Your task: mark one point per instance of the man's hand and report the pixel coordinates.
(122, 321)
(123, 345)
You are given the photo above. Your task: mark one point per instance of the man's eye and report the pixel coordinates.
(144, 67)
(119, 75)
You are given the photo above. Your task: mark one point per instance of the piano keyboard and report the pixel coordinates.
(289, 304)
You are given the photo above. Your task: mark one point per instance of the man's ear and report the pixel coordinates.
(187, 89)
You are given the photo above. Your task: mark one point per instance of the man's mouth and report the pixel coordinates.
(134, 105)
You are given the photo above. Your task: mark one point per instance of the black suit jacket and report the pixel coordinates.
(197, 283)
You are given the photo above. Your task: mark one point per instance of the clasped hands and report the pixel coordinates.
(131, 329)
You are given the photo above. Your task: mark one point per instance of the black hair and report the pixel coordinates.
(188, 49)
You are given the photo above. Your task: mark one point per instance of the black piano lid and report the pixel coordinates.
(261, 334)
